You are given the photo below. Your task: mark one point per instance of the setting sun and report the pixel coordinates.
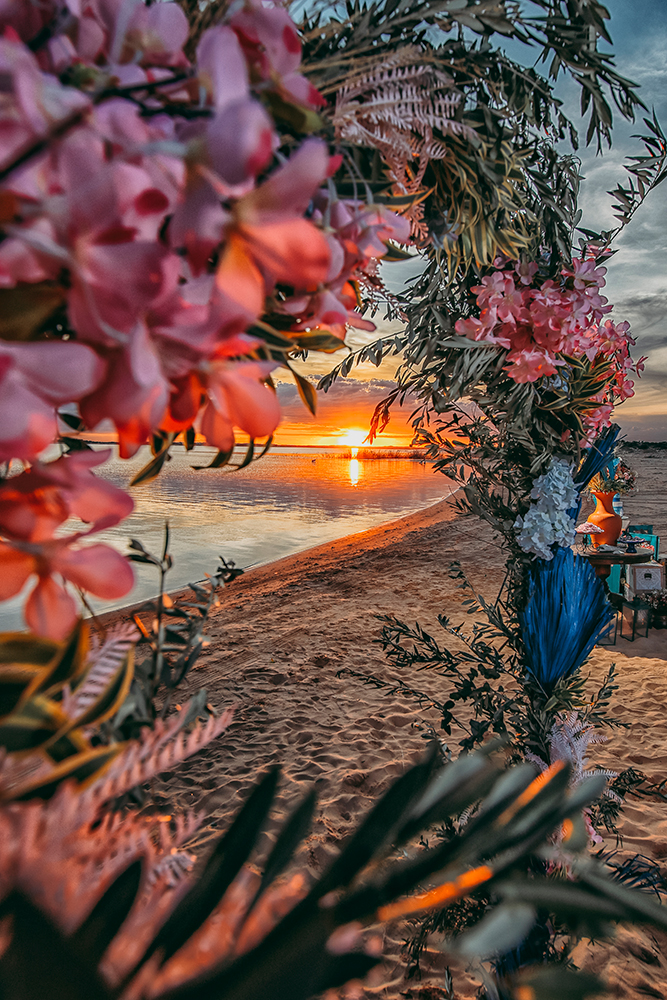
(353, 437)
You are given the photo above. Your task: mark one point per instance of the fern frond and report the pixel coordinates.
(142, 760)
(103, 665)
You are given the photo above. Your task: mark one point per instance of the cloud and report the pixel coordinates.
(348, 404)
(346, 395)
(647, 315)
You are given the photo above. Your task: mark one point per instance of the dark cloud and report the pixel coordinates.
(647, 315)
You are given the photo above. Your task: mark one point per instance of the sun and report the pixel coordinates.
(353, 437)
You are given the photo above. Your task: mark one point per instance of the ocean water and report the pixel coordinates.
(279, 505)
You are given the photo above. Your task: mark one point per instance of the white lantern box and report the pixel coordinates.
(641, 578)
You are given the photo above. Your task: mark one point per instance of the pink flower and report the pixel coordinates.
(34, 503)
(224, 155)
(155, 35)
(238, 397)
(240, 137)
(134, 394)
(32, 506)
(50, 610)
(34, 378)
(267, 238)
(272, 46)
(359, 239)
(32, 101)
(529, 365)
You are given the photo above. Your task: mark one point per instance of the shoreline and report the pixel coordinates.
(326, 552)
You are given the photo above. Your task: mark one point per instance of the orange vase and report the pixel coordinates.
(606, 518)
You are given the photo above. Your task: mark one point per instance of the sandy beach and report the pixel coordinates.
(285, 631)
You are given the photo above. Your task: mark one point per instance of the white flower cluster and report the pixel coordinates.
(547, 522)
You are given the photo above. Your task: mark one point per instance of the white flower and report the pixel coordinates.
(547, 522)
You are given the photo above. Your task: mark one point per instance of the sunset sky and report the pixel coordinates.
(637, 279)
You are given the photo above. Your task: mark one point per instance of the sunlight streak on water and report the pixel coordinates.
(354, 471)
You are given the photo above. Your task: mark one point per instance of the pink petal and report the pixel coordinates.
(50, 611)
(290, 188)
(97, 568)
(27, 423)
(168, 22)
(293, 252)
(222, 66)
(197, 224)
(89, 39)
(217, 427)
(274, 29)
(57, 372)
(238, 277)
(253, 406)
(134, 395)
(240, 141)
(15, 568)
(118, 282)
(298, 87)
(91, 499)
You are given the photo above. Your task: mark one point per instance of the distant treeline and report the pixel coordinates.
(645, 445)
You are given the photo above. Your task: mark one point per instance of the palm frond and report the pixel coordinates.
(566, 612)
(281, 940)
(158, 750)
(597, 456)
(103, 664)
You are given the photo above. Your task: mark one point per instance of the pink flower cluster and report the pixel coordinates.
(33, 505)
(541, 326)
(357, 235)
(158, 198)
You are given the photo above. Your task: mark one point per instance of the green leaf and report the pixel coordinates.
(26, 308)
(71, 419)
(153, 468)
(395, 253)
(74, 444)
(379, 826)
(318, 340)
(31, 725)
(220, 870)
(501, 930)
(24, 647)
(306, 391)
(100, 927)
(16, 682)
(301, 119)
(291, 835)
(71, 661)
(248, 457)
(221, 459)
(38, 955)
(84, 768)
